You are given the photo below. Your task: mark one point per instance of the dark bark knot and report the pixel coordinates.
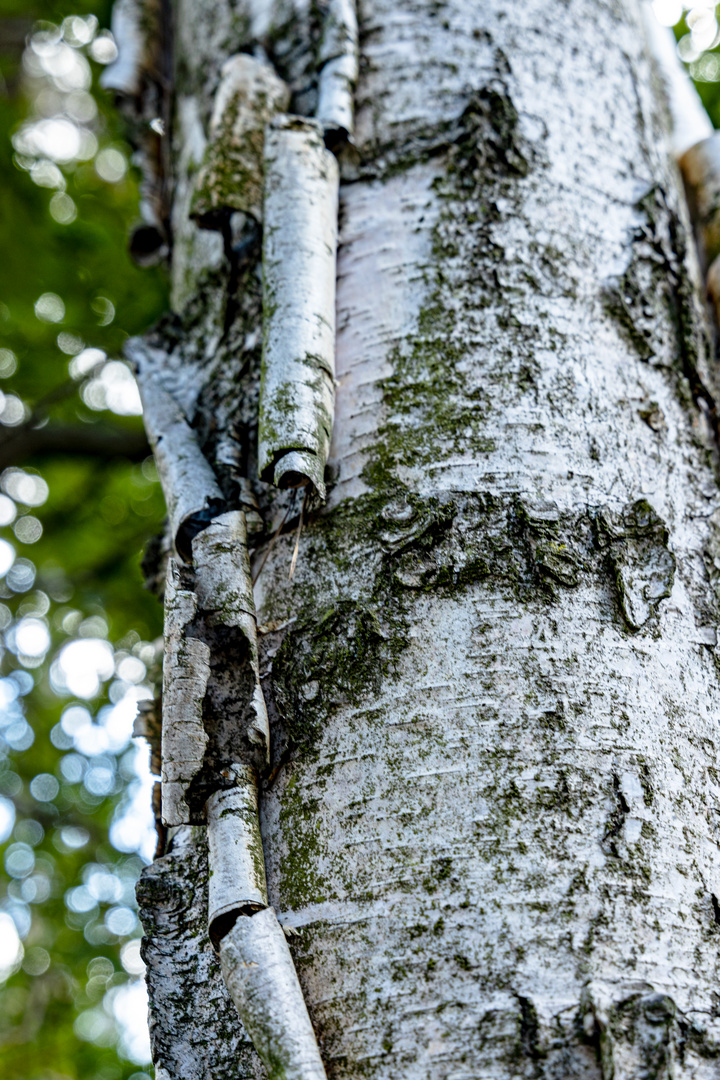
(636, 544)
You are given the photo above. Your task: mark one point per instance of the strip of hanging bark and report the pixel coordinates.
(186, 669)
(192, 494)
(297, 392)
(231, 177)
(225, 596)
(138, 79)
(201, 610)
(261, 977)
(338, 59)
(128, 23)
(237, 866)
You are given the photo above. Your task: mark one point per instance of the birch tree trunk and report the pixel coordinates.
(492, 813)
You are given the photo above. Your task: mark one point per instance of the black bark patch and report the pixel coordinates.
(636, 543)
(715, 908)
(616, 820)
(656, 287)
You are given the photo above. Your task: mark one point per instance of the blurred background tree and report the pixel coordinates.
(79, 499)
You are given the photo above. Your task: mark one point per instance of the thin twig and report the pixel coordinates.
(293, 561)
(271, 545)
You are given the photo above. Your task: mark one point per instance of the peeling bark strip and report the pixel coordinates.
(260, 975)
(186, 669)
(221, 596)
(237, 867)
(231, 178)
(338, 59)
(254, 955)
(124, 75)
(192, 494)
(224, 590)
(269, 1000)
(217, 597)
(299, 252)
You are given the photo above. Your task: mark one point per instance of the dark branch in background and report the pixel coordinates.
(13, 35)
(103, 441)
(99, 440)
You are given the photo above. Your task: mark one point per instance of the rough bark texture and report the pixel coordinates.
(492, 809)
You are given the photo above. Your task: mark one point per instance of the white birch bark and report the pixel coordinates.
(237, 882)
(191, 491)
(261, 978)
(491, 813)
(338, 63)
(297, 390)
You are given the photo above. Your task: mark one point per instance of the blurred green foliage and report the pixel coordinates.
(697, 32)
(79, 630)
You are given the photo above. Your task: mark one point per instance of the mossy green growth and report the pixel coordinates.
(302, 879)
(332, 659)
(232, 175)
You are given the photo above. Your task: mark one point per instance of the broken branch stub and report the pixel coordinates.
(338, 59)
(237, 866)
(192, 493)
(261, 977)
(186, 669)
(297, 391)
(231, 176)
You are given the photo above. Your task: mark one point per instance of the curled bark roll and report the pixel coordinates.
(231, 176)
(338, 57)
(261, 977)
(237, 865)
(700, 166)
(192, 494)
(299, 254)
